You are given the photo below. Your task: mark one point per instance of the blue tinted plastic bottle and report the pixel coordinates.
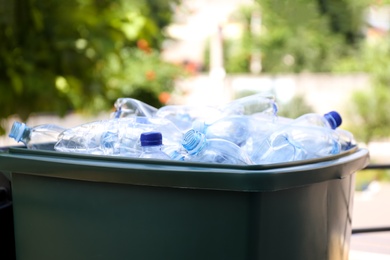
(151, 143)
(38, 137)
(295, 143)
(329, 120)
(346, 139)
(201, 149)
(118, 137)
(235, 129)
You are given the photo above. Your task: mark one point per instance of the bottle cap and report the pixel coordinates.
(151, 138)
(334, 119)
(193, 141)
(17, 131)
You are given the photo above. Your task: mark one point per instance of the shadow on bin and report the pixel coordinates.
(7, 240)
(69, 206)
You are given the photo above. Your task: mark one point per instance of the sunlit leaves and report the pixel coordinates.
(57, 56)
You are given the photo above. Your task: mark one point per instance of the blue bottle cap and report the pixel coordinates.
(334, 119)
(151, 138)
(17, 131)
(193, 141)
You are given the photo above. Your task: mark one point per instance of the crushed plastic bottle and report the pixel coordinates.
(244, 131)
(151, 143)
(183, 116)
(176, 152)
(201, 149)
(117, 137)
(130, 107)
(294, 143)
(346, 139)
(330, 120)
(40, 137)
(287, 140)
(236, 129)
(255, 105)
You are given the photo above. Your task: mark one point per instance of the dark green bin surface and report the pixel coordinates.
(85, 207)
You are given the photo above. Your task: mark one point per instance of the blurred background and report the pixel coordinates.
(66, 62)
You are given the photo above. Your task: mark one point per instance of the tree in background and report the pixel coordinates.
(57, 56)
(322, 36)
(369, 108)
(309, 35)
(332, 41)
(296, 36)
(295, 107)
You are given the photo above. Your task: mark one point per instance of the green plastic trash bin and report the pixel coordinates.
(90, 207)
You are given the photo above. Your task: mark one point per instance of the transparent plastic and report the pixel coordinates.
(183, 116)
(201, 149)
(295, 143)
(40, 137)
(346, 139)
(130, 107)
(118, 137)
(329, 120)
(151, 143)
(258, 104)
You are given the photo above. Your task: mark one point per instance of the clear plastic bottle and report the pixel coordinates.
(259, 129)
(130, 107)
(38, 137)
(255, 105)
(346, 139)
(101, 138)
(175, 152)
(294, 142)
(151, 143)
(183, 116)
(236, 129)
(329, 120)
(221, 151)
(118, 137)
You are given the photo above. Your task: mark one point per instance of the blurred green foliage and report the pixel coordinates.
(57, 56)
(295, 107)
(296, 36)
(365, 177)
(319, 36)
(369, 108)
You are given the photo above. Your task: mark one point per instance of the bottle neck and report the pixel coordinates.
(151, 148)
(194, 141)
(26, 136)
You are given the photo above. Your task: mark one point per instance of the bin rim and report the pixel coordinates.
(179, 175)
(25, 151)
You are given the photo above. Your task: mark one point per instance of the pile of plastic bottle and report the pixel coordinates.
(245, 131)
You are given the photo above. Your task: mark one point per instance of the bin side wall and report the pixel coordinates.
(310, 222)
(70, 219)
(65, 219)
